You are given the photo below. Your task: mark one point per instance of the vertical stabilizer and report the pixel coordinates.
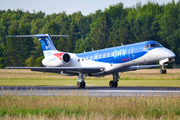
(46, 44)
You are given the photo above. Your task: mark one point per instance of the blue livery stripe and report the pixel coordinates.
(119, 54)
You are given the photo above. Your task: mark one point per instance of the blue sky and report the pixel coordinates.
(70, 6)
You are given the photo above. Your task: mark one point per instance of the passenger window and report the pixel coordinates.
(108, 54)
(104, 55)
(100, 56)
(91, 58)
(78, 60)
(116, 53)
(120, 52)
(112, 54)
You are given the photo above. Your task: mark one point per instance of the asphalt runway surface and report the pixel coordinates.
(121, 91)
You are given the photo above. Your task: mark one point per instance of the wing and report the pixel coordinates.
(133, 68)
(65, 69)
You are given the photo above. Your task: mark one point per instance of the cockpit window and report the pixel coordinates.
(153, 45)
(146, 47)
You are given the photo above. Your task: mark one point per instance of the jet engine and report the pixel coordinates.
(57, 60)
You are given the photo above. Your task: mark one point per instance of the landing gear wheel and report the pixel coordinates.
(81, 84)
(163, 71)
(113, 84)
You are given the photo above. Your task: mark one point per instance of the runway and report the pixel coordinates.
(121, 91)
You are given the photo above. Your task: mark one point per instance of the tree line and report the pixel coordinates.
(98, 30)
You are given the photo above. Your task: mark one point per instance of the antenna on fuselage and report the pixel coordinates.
(121, 44)
(92, 49)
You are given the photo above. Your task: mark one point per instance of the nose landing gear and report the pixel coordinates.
(163, 71)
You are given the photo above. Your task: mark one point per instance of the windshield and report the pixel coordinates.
(153, 45)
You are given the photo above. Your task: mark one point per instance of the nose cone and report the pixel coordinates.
(167, 53)
(159, 54)
(168, 56)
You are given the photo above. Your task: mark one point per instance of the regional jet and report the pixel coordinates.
(100, 62)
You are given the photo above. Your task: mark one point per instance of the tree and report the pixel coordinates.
(1, 56)
(100, 32)
(36, 29)
(101, 29)
(12, 51)
(168, 22)
(27, 45)
(174, 44)
(82, 45)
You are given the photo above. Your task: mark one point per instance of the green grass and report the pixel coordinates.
(88, 108)
(38, 82)
(77, 107)
(138, 78)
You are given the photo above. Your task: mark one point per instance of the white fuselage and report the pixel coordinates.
(152, 56)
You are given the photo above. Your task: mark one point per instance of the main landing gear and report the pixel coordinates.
(163, 71)
(114, 82)
(81, 83)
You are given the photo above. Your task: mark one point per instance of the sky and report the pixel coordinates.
(69, 6)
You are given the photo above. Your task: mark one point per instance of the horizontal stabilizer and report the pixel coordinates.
(39, 35)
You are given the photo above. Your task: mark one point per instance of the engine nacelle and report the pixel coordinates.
(57, 60)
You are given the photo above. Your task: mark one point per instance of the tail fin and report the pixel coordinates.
(46, 42)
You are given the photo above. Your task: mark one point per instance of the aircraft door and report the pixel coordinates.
(130, 53)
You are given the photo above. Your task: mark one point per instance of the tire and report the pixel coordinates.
(162, 71)
(115, 84)
(111, 84)
(79, 84)
(83, 84)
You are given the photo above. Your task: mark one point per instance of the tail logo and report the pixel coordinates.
(48, 45)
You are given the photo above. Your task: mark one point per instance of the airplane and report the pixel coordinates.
(100, 62)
